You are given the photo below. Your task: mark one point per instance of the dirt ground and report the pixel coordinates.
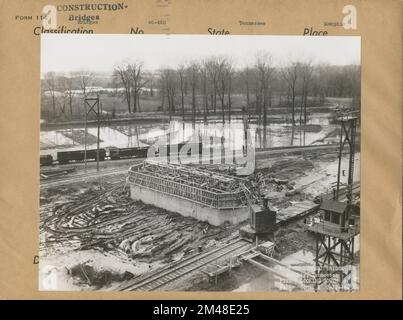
(94, 236)
(84, 226)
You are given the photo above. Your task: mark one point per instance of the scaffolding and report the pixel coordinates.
(336, 233)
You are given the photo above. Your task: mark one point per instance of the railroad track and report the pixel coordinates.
(272, 150)
(61, 180)
(288, 148)
(293, 149)
(161, 277)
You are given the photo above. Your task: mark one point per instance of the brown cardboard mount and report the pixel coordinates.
(378, 24)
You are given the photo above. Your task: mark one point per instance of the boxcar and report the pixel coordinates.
(46, 160)
(66, 156)
(177, 147)
(118, 153)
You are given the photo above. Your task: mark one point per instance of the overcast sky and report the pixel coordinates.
(100, 52)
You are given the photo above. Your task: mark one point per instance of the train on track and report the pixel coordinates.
(65, 157)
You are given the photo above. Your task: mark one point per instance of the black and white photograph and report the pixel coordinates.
(199, 163)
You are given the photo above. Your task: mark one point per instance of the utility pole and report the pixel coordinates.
(348, 127)
(98, 129)
(94, 106)
(85, 135)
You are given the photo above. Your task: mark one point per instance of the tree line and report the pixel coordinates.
(209, 86)
(216, 86)
(63, 88)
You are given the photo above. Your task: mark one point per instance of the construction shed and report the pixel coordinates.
(335, 213)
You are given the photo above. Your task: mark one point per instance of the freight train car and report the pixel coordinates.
(119, 153)
(141, 152)
(46, 160)
(66, 156)
(174, 148)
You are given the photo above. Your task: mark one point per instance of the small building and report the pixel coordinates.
(262, 219)
(335, 214)
(262, 222)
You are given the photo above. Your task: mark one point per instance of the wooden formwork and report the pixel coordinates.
(204, 187)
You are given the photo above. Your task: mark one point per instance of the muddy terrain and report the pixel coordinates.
(95, 236)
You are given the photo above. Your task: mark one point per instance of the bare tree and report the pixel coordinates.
(171, 91)
(84, 79)
(122, 76)
(306, 75)
(182, 79)
(151, 86)
(323, 71)
(61, 84)
(137, 83)
(50, 81)
(246, 76)
(257, 92)
(265, 72)
(70, 93)
(130, 76)
(354, 75)
(230, 76)
(223, 69)
(169, 84)
(204, 75)
(193, 76)
(290, 74)
(211, 66)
